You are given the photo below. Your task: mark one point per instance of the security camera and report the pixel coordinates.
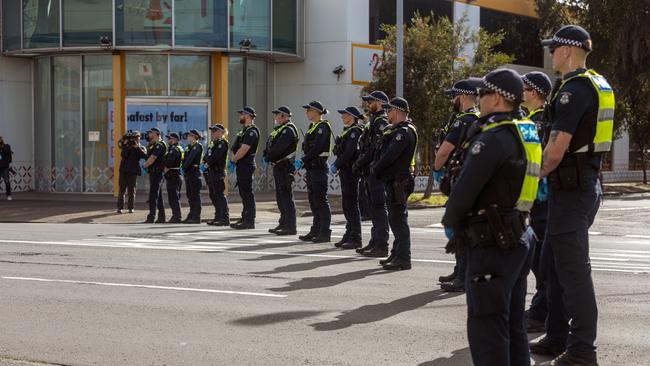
(105, 43)
(338, 71)
(245, 45)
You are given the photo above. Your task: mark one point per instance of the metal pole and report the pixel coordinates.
(399, 83)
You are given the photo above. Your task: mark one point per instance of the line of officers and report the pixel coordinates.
(521, 173)
(375, 157)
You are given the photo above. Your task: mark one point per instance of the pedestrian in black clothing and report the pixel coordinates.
(131, 152)
(5, 166)
(192, 172)
(173, 162)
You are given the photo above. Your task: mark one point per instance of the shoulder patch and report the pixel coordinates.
(285, 131)
(565, 98)
(476, 148)
(352, 135)
(398, 137)
(220, 145)
(456, 124)
(320, 131)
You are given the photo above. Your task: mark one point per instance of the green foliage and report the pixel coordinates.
(432, 49)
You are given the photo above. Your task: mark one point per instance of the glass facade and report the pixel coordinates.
(85, 21)
(201, 23)
(250, 19)
(190, 76)
(11, 25)
(521, 36)
(43, 124)
(385, 12)
(285, 23)
(147, 75)
(143, 23)
(41, 24)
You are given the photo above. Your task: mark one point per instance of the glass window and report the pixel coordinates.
(284, 26)
(85, 21)
(256, 94)
(42, 125)
(235, 89)
(40, 23)
(385, 12)
(521, 36)
(98, 92)
(143, 23)
(146, 75)
(190, 76)
(201, 23)
(249, 19)
(11, 25)
(67, 124)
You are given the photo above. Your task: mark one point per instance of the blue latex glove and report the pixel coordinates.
(438, 174)
(449, 232)
(202, 168)
(265, 163)
(542, 190)
(298, 164)
(145, 170)
(231, 167)
(333, 169)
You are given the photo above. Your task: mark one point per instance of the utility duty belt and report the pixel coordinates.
(570, 175)
(317, 163)
(492, 228)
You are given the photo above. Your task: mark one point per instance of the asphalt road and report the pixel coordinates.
(81, 294)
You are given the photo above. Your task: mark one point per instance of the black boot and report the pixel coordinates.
(243, 226)
(275, 229)
(323, 237)
(457, 285)
(350, 245)
(285, 232)
(398, 264)
(365, 249)
(448, 278)
(376, 253)
(546, 347)
(307, 237)
(389, 259)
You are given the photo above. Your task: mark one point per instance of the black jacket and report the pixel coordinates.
(397, 152)
(5, 156)
(370, 142)
(193, 157)
(346, 146)
(282, 142)
(216, 157)
(131, 156)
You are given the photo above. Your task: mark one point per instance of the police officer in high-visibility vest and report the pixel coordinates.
(537, 87)
(215, 166)
(486, 212)
(192, 173)
(395, 168)
(242, 160)
(369, 151)
(446, 168)
(281, 152)
(155, 165)
(581, 113)
(316, 149)
(173, 163)
(346, 149)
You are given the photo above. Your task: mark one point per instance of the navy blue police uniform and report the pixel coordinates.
(536, 314)
(395, 168)
(192, 173)
(316, 150)
(369, 151)
(249, 135)
(216, 158)
(173, 163)
(280, 151)
(346, 150)
(481, 208)
(156, 176)
(574, 198)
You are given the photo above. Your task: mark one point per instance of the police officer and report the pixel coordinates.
(581, 113)
(445, 170)
(496, 186)
(281, 152)
(243, 158)
(173, 162)
(346, 149)
(369, 150)
(215, 165)
(537, 87)
(316, 149)
(395, 168)
(155, 164)
(192, 173)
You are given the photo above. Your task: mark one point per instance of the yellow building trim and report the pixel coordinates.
(518, 7)
(118, 115)
(220, 92)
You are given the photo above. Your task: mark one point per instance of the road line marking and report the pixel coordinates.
(112, 284)
(634, 236)
(622, 209)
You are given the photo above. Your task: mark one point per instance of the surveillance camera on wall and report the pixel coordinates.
(105, 43)
(338, 71)
(245, 45)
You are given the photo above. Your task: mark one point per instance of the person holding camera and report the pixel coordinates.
(132, 153)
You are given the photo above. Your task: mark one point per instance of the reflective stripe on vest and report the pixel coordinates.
(410, 125)
(532, 113)
(527, 132)
(313, 128)
(275, 133)
(606, 105)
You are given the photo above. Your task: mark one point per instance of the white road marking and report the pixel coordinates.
(622, 209)
(112, 284)
(637, 236)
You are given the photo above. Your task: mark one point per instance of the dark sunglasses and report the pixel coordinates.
(528, 89)
(484, 92)
(552, 49)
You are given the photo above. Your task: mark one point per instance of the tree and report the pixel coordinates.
(619, 29)
(433, 62)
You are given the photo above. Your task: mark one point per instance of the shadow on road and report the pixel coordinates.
(299, 267)
(458, 357)
(378, 312)
(308, 283)
(272, 318)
